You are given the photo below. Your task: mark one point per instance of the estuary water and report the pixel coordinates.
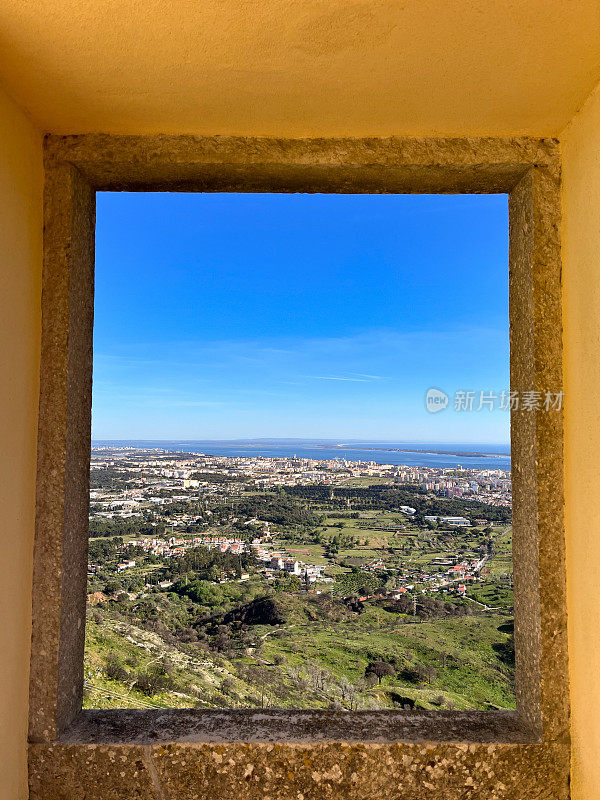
(411, 454)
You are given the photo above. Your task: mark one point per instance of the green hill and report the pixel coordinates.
(292, 650)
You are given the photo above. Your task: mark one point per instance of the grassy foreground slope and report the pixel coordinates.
(301, 652)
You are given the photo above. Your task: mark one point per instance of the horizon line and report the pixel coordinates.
(339, 440)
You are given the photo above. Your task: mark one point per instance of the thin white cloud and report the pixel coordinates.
(185, 353)
(354, 377)
(337, 378)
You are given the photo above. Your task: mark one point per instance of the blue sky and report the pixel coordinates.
(223, 316)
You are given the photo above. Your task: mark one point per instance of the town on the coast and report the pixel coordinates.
(236, 582)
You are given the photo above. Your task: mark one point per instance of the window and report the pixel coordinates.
(278, 517)
(524, 750)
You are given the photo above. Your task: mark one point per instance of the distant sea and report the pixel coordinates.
(411, 454)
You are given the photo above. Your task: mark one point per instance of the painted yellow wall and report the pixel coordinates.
(20, 268)
(301, 67)
(20, 282)
(581, 320)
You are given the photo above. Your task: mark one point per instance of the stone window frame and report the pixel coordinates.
(297, 754)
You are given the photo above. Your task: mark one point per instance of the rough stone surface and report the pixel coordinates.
(90, 773)
(299, 755)
(62, 497)
(189, 725)
(300, 772)
(223, 163)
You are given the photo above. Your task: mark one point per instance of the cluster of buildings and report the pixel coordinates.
(435, 577)
(155, 471)
(487, 486)
(154, 478)
(272, 561)
(174, 547)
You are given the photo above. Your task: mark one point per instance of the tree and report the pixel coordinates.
(380, 669)
(370, 680)
(200, 591)
(349, 694)
(410, 674)
(261, 679)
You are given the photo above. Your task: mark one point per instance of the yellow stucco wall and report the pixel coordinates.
(20, 268)
(20, 282)
(581, 321)
(307, 68)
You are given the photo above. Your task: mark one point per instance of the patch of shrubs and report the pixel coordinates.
(410, 674)
(151, 683)
(406, 703)
(114, 669)
(159, 678)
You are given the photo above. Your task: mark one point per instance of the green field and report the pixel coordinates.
(307, 663)
(207, 639)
